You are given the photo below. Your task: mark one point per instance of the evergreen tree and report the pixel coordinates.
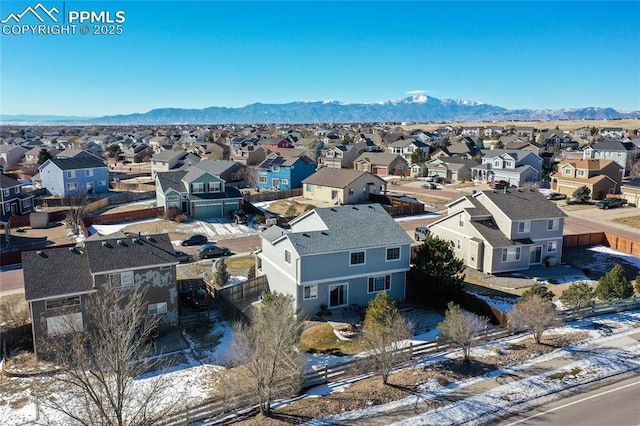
(614, 285)
(419, 157)
(43, 156)
(436, 273)
(578, 295)
(222, 273)
(582, 194)
(540, 290)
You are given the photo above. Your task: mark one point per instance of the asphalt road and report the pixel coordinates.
(616, 404)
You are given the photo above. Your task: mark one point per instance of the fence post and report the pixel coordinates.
(326, 372)
(410, 350)
(437, 343)
(486, 332)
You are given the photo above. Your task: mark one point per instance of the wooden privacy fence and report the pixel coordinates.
(216, 407)
(272, 195)
(105, 219)
(397, 206)
(614, 241)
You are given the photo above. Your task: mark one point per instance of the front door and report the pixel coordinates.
(535, 255)
(275, 183)
(89, 187)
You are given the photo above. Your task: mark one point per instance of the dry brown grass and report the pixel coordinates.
(371, 391)
(320, 338)
(633, 221)
(281, 206)
(240, 263)
(562, 124)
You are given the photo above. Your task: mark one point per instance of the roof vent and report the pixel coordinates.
(41, 253)
(304, 234)
(324, 233)
(106, 244)
(333, 210)
(121, 243)
(354, 208)
(149, 238)
(370, 206)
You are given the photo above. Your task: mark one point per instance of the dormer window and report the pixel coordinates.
(567, 171)
(197, 187)
(581, 173)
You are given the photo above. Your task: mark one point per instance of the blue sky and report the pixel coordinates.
(194, 54)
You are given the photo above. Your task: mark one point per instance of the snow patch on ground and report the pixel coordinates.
(503, 304)
(110, 229)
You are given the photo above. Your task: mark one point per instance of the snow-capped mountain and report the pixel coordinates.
(416, 108)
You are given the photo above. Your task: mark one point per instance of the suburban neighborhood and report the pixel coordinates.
(205, 228)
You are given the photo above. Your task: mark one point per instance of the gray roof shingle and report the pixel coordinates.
(349, 228)
(75, 163)
(337, 178)
(523, 204)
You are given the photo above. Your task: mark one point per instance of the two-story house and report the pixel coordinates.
(172, 160)
(12, 198)
(406, 148)
(11, 155)
(620, 152)
(58, 282)
(338, 157)
(342, 186)
(68, 176)
(335, 257)
(502, 231)
(602, 177)
(200, 191)
(278, 172)
(381, 163)
(513, 166)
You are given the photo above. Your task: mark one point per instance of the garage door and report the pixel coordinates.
(230, 206)
(204, 211)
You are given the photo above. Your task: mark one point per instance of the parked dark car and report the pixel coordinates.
(611, 203)
(499, 184)
(194, 240)
(429, 186)
(212, 250)
(182, 256)
(555, 196)
(438, 179)
(239, 216)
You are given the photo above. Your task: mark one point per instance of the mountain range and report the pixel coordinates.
(418, 108)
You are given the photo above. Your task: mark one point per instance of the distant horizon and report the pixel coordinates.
(147, 55)
(2, 114)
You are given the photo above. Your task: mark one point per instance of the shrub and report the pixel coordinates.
(614, 285)
(171, 213)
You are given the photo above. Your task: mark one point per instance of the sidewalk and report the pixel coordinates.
(486, 396)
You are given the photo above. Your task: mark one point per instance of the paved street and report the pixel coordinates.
(615, 404)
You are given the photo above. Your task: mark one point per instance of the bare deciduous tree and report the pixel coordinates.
(265, 349)
(100, 361)
(77, 203)
(385, 334)
(461, 328)
(536, 315)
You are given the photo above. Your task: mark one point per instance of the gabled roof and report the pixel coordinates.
(7, 182)
(609, 146)
(521, 204)
(77, 163)
(382, 158)
(171, 180)
(588, 163)
(337, 178)
(348, 228)
(169, 155)
(55, 272)
(215, 167)
(277, 160)
(130, 253)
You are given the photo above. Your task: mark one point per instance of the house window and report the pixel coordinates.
(234, 177)
(334, 194)
(496, 163)
(64, 302)
(459, 244)
(524, 226)
(121, 279)
(214, 187)
(357, 258)
(88, 172)
(197, 187)
(71, 173)
(72, 186)
(553, 224)
(275, 168)
(567, 171)
(581, 173)
(310, 292)
(284, 181)
(552, 246)
(350, 191)
(511, 254)
(309, 188)
(287, 256)
(259, 263)
(461, 220)
(509, 164)
(262, 179)
(338, 295)
(157, 308)
(393, 253)
(6, 193)
(379, 283)
(102, 183)
(64, 324)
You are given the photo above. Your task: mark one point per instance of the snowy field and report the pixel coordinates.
(600, 357)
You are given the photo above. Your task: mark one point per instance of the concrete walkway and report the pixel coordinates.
(494, 380)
